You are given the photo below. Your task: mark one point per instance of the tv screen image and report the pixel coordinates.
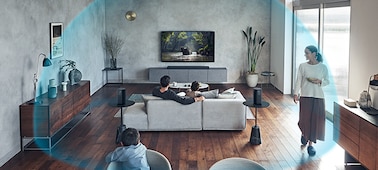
(187, 46)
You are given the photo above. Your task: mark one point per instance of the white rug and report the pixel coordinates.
(249, 113)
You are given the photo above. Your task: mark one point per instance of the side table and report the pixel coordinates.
(255, 133)
(118, 69)
(267, 74)
(121, 127)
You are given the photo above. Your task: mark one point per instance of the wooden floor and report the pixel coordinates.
(86, 146)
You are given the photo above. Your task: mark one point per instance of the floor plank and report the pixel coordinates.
(88, 143)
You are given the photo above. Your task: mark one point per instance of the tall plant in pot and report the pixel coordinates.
(113, 46)
(255, 43)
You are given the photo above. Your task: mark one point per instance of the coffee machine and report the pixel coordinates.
(373, 91)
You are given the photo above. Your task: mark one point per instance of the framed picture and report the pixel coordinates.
(56, 39)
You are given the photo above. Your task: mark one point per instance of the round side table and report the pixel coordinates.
(255, 138)
(121, 127)
(267, 74)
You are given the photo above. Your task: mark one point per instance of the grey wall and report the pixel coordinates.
(226, 18)
(24, 34)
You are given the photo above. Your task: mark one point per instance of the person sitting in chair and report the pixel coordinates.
(164, 92)
(132, 152)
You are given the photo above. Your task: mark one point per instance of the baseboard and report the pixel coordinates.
(9, 155)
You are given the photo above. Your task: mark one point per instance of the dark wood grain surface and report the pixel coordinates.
(86, 146)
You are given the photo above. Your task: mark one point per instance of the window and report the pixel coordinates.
(328, 27)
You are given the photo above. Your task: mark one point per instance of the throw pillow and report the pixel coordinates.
(210, 94)
(227, 96)
(229, 91)
(182, 94)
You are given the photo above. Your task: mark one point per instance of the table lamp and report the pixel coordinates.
(46, 62)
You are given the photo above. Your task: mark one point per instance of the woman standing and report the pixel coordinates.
(311, 77)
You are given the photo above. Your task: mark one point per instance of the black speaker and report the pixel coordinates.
(257, 96)
(121, 96)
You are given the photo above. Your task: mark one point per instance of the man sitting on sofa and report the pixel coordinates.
(165, 93)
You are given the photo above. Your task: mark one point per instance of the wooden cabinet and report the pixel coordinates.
(45, 122)
(357, 133)
(367, 145)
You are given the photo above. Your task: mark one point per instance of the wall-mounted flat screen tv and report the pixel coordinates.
(187, 46)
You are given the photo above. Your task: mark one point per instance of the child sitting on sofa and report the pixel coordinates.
(132, 152)
(165, 93)
(193, 91)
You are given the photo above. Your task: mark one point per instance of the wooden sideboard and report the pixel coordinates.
(46, 122)
(357, 133)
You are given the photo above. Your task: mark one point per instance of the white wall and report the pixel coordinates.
(226, 18)
(363, 45)
(24, 34)
(281, 39)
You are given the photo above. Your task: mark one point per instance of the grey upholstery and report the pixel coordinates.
(226, 112)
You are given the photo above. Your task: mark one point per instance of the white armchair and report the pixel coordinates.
(236, 164)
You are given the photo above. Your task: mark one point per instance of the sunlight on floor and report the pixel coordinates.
(332, 155)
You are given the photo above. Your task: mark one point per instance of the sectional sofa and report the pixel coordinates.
(156, 114)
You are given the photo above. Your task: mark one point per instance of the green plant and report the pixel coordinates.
(255, 43)
(112, 45)
(68, 65)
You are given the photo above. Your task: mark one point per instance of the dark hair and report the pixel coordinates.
(313, 49)
(164, 81)
(130, 136)
(195, 86)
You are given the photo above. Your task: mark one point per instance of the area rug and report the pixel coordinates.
(137, 98)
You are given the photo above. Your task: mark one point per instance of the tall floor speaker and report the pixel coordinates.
(257, 96)
(121, 96)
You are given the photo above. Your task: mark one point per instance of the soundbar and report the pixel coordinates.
(188, 67)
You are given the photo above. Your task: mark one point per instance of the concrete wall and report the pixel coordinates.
(363, 45)
(226, 18)
(24, 34)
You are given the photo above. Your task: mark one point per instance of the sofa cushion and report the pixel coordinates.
(146, 97)
(169, 115)
(227, 96)
(224, 114)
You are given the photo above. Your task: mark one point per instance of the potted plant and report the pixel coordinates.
(74, 75)
(255, 43)
(112, 45)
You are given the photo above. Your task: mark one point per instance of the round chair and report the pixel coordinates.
(156, 161)
(236, 164)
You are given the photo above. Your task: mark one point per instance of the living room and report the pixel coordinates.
(26, 34)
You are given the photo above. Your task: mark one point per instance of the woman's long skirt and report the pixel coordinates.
(312, 118)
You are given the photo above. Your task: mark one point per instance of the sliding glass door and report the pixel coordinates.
(328, 29)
